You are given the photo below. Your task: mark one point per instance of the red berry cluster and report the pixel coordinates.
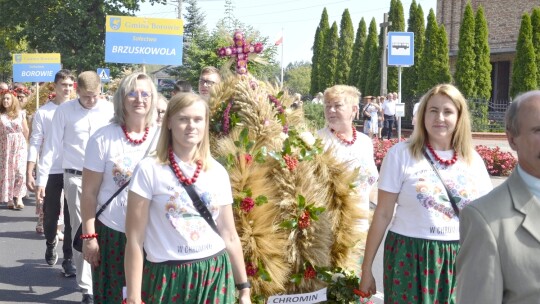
(247, 204)
(248, 158)
(304, 220)
(290, 161)
(251, 270)
(309, 272)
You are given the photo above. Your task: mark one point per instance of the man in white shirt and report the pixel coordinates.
(73, 124)
(41, 126)
(389, 111)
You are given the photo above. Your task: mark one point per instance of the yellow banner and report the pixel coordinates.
(36, 58)
(127, 24)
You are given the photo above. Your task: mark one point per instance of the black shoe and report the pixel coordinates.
(50, 254)
(69, 271)
(87, 299)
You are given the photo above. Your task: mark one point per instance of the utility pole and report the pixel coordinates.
(384, 67)
(179, 9)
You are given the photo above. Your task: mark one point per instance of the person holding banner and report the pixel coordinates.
(430, 178)
(13, 137)
(180, 212)
(110, 157)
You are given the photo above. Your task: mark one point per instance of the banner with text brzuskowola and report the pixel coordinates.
(35, 67)
(144, 40)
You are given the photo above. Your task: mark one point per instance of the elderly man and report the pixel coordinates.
(500, 232)
(208, 78)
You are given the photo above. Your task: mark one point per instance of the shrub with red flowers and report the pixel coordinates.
(246, 202)
(498, 163)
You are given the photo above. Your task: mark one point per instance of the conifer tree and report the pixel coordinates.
(442, 58)
(417, 26)
(329, 59)
(465, 65)
(371, 46)
(524, 68)
(425, 81)
(373, 86)
(481, 49)
(397, 17)
(193, 20)
(535, 21)
(346, 41)
(318, 48)
(358, 53)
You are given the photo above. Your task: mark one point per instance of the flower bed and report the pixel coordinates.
(498, 162)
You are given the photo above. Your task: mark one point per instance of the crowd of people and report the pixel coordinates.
(155, 208)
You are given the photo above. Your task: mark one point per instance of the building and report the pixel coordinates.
(504, 20)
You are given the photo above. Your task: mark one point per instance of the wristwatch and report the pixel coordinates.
(243, 285)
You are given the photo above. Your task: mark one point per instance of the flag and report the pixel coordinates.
(279, 40)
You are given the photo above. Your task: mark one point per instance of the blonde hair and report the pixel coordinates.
(462, 136)
(350, 94)
(177, 103)
(13, 111)
(128, 84)
(88, 80)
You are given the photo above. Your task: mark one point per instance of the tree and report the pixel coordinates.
(434, 64)
(75, 29)
(397, 17)
(297, 78)
(8, 46)
(535, 22)
(318, 48)
(358, 53)
(465, 75)
(481, 49)
(524, 68)
(373, 81)
(371, 46)
(346, 40)
(417, 26)
(330, 55)
(194, 24)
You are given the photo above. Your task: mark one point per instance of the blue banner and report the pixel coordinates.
(143, 40)
(35, 72)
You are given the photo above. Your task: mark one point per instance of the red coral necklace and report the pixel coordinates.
(342, 139)
(135, 141)
(447, 162)
(179, 175)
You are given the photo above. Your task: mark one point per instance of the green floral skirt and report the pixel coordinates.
(108, 278)
(419, 270)
(204, 281)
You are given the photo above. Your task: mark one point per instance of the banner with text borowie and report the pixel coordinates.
(35, 67)
(143, 40)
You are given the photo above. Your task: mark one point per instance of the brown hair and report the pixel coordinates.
(13, 111)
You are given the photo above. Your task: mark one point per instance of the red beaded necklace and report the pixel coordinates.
(135, 141)
(342, 139)
(447, 162)
(179, 175)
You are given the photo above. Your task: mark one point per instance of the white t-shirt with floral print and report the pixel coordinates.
(175, 229)
(423, 209)
(109, 152)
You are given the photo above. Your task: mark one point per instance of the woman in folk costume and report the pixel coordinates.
(110, 158)
(430, 178)
(189, 258)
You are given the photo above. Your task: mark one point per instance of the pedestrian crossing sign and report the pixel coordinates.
(104, 74)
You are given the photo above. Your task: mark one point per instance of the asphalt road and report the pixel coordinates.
(25, 277)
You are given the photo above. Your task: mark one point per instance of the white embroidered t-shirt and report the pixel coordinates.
(109, 152)
(423, 209)
(359, 156)
(175, 229)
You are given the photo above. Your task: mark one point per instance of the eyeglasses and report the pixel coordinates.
(135, 94)
(206, 83)
(160, 112)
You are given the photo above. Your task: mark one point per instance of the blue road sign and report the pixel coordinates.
(401, 48)
(104, 74)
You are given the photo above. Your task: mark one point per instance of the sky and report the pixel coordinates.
(298, 19)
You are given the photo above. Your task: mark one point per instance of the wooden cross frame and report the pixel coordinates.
(241, 50)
